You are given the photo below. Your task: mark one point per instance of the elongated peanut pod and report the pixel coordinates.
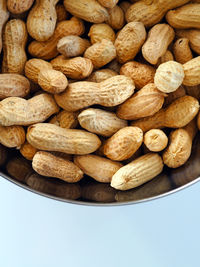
(57, 167)
(116, 17)
(12, 136)
(137, 172)
(180, 146)
(192, 72)
(108, 93)
(18, 111)
(50, 137)
(101, 31)
(99, 168)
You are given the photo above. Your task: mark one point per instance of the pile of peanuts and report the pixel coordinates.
(103, 88)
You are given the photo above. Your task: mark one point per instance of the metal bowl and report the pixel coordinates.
(88, 192)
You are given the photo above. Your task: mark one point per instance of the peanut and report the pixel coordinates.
(155, 140)
(114, 65)
(182, 51)
(48, 49)
(193, 91)
(72, 46)
(28, 151)
(108, 3)
(101, 75)
(169, 76)
(109, 93)
(168, 56)
(187, 16)
(12, 136)
(65, 119)
(175, 95)
(99, 168)
(138, 172)
(101, 31)
(142, 74)
(180, 145)
(18, 111)
(129, 41)
(178, 114)
(101, 53)
(116, 18)
(100, 121)
(14, 39)
(125, 5)
(193, 36)
(13, 85)
(158, 40)
(19, 6)
(50, 137)
(3, 18)
(46, 164)
(52, 81)
(144, 103)
(192, 72)
(89, 10)
(61, 13)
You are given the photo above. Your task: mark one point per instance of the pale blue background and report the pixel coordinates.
(39, 232)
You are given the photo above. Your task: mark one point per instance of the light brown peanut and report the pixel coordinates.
(101, 53)
(184, 17)
(52, 81)
(75, 68)
(19, 6)
(50, 137)
(144, 103)
(61, 13)
(101, 75)
(155, 140)
(49, 165)
(108, 3)
(65, 119)
(72, 46)
(12, 136)
(193, 36)
(108, 93)
(116, 18)
(158, 40)
(100, 121)
(101, 31)
(18, 111)
(169, 76)
(168, 56)
(14, 39)
(180, 146)
(48, 49)
(99, 168)
(142, 74)
(182, 51)
(28, 151)
(3, 18)
(13, 85)
(137, 172)
(89, 10)
(178, 114)
(129, 41)
(123, 144)
(192, 72)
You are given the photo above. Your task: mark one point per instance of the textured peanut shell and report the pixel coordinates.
(115, 66)
(129, 41)
(50, 137)
(48, 49)
(108, 93)
(185, 17)
(14, 42)
(155, 140)
(142, 74)
(65, 119)
(144, 103)
(116, 18)
(101, 31)
(19, 168)
(158, 40)
(76, 68)
(123, 144)
(101, 53)
(19, 6)
(12, 136)
(175, 95)
(168, 56)
(46, 164)
(138, 172)
(125, 5)
(99, 168)
(193, 36)
(28, 151)
(192, 72)
(108, 3)
(4, 15)
(101, 75)
(18, 111)
(100, 121)
(89, 10)
(182, 51)
(61, 13)
(13, 85)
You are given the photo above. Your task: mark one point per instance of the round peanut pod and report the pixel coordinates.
(182, 51)
(52, 81)
(101, 75)
(72, 46)
(99, 168)
(155, 140)
(12, 136)
(116, 18)
(123, 144)
(19, 6)
(101, 31)
(65, 119)
(169, 76)
(57, 167)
